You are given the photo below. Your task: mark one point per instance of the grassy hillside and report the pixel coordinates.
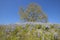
(30, 31)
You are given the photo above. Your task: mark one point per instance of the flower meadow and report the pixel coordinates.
(30, 32)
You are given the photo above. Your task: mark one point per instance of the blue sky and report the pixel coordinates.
(9, 10)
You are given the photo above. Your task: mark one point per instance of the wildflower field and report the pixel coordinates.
(30, 32)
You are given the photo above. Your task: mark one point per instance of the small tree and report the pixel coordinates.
(33, 13)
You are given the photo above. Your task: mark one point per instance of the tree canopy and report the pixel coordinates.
(33, 13)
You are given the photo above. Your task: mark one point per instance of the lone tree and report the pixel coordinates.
(33, 13)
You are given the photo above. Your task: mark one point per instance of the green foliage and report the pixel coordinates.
(29, 32)
(33, 13)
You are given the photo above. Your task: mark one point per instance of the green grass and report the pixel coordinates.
(30, 32)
